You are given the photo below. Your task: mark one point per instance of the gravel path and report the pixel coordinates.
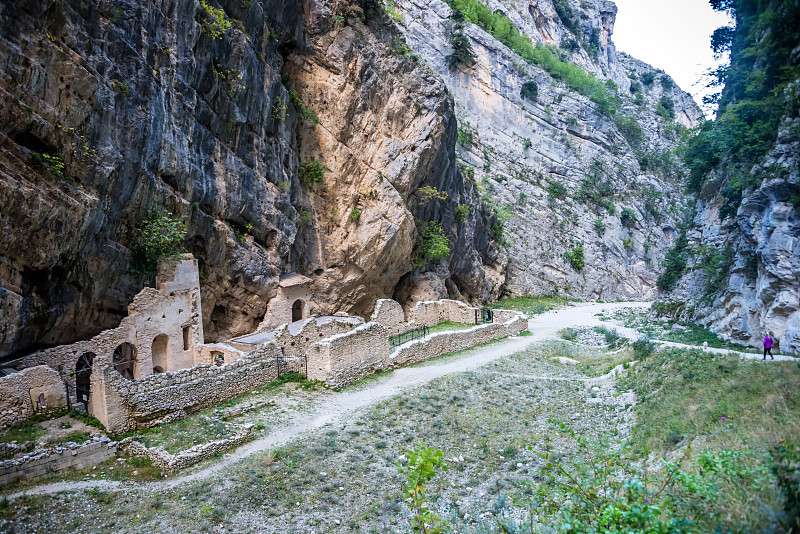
(334, 408)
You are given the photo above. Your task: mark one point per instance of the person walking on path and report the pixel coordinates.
(768, 346)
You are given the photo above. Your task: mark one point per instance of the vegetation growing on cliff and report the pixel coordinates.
(752, 102)
(545, 57)
(160, 235)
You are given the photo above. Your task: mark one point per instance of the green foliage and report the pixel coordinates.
(279, 109)
(422, 465)
(556, 190)
(531, 305)
(652, 201)
(569, 334)
(160, 235)
(643, 348)
(305, 217)
(568, 16)
(600, 226)
(627, 242)
(658, 161)
(462, 212)
(529, 91)
(526, 143)
(462, 53)
(666, 108)
(628, 217)
(717, 266)
(546, 57)
(54, 164)
(215, 23)
(674, 263)
(355, 213)
(575, 257)
(428, 193)
(303, 112)
(465, 135)
(313, 171)
(121, 88)
(435, 244)
(666, 82)
(648, 78)
(629, 128)
(636, 87)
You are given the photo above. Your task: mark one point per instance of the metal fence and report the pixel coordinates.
(485, 315)
(293, 364)
(410, 335)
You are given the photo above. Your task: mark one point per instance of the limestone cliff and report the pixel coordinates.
(565, 175)
(738, 268)
(318, 137)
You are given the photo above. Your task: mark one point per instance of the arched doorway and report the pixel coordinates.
(160, 353)
(297, 310)
(124, 360)
(83, 378)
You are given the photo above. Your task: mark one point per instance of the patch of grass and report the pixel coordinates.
(714, 399)
(695, 334)
(449, 326)
(531, 305)
(569, 334)
(29, 430)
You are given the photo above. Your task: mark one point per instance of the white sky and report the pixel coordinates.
(671, 35)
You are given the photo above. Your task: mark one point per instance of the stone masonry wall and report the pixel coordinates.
(345, 358)
(390, 314)
(446, 342)
(433, 312)
(161, 458)
(313, 330)
(44, 462)
(20, 394)
(123, 405)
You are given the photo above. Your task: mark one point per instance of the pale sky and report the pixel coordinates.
(671, 35)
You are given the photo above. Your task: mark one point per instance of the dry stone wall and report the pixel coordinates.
(163, 459)
(123, 405)
(433, 312)
(313, 330)
(44, 462)
(33, 390)
(446, 342)
(390, 314)
(345, 358)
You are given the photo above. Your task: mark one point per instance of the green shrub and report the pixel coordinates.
(628, 217)
(160, 235)
(642, 348)
(629, 128)
(529, 91)
(313, 171)
(717, 267)
(636, 87)
(303, 112)
(575, 257)
(215, 23)
(462, 53)
(600, 226)
(666, 107)
(465, 135)
(355, 213)
(422, 465)
(569, 334)
(648, 78)
(526, 144)
(556, 190)
(666, 82)
(428, 193)
(435, 244)
(462, 212)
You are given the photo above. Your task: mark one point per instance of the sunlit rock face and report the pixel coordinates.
(148, 109)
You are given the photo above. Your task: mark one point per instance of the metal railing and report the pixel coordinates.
(486, 315)
(405, 337)
(293, 364)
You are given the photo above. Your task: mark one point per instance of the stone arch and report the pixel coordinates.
(160, 353)
(298, 310)
(125, 359)
(83, 378)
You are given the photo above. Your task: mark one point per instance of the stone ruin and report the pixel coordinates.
(155, 367)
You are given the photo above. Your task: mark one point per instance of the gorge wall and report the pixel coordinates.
(736, 267)
(110, 110)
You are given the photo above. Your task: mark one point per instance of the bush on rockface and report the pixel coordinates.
(160, 235)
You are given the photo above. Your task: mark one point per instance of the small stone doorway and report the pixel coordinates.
(83, 378)
(297, 310)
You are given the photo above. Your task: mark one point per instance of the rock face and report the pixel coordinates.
(159, 105)
(759, 290)
(520, 151)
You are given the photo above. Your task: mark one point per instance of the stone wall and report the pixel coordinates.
(433, 312)
(446, 342)
(390, 314)
(313, 330)
(33, 390)
(44, 462)
(345, 358)
(173, 310)
(123, 405)
(212, 352)
(161, 458)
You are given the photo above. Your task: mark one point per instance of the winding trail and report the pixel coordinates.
(335, 407)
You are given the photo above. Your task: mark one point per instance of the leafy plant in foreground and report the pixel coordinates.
(423, 463)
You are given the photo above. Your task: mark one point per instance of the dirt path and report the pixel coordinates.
(333, 408)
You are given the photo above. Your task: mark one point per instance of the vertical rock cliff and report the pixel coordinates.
(737, 269)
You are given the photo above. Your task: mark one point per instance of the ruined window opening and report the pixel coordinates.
(160, 353)
(42, 405)
(124, 360)
(83, 378)
(297, 310)
(218, 358)
(186, 330)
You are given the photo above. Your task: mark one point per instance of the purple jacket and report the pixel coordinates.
(767, 342)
